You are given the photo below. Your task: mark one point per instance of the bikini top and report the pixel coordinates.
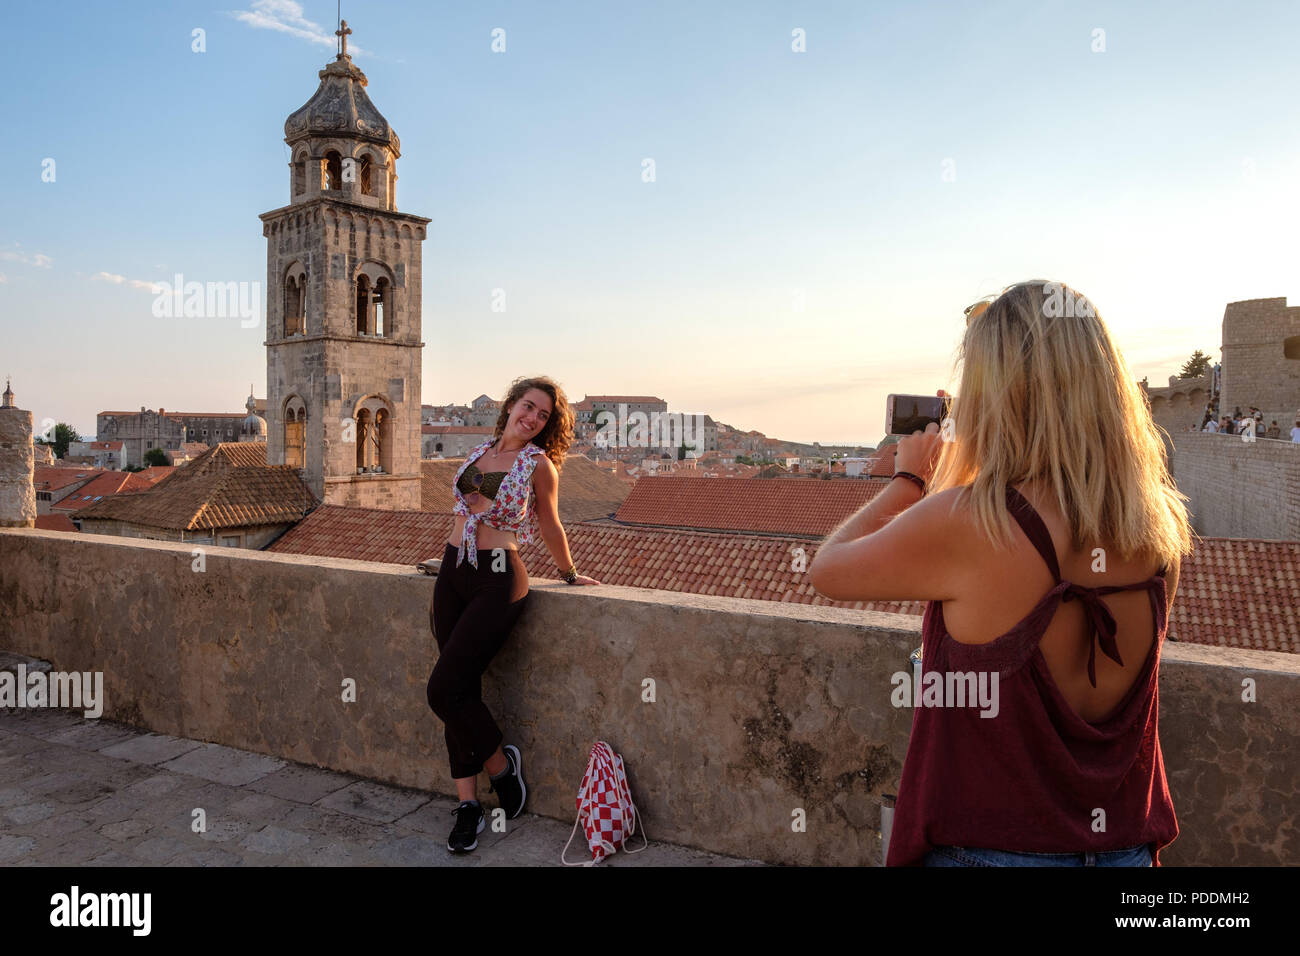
(483, 482)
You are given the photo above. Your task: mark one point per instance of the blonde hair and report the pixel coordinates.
(1045, 396)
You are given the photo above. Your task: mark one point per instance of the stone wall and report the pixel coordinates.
(1181, 406)
(17, 468)
(759, 708)
(1239, 489)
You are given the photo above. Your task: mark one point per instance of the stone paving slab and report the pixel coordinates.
(83, 792)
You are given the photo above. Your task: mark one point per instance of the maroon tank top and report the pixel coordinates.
(1035, 778)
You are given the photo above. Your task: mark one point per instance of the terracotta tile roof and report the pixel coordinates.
(156, 472)
(1232, 593)
(794, 506)
(367, 534)
(586, 403)
(101, 487)
(176, 414)
(587, 491)
(229, 486)
(442, 428)
(55, 522)
(55, 477)
(1238, 592)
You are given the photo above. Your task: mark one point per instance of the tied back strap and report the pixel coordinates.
(1103, 627)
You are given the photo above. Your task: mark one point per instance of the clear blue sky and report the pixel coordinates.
(1161, 177)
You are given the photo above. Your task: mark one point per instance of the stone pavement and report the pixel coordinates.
(76, 791)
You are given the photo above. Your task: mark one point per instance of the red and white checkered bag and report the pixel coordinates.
(605, 807)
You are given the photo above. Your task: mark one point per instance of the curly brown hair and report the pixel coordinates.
(557, 434)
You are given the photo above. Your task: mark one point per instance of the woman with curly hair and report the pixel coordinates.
(506, 493)
(1043, 528)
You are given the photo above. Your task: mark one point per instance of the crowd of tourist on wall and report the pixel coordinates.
(1239, 423)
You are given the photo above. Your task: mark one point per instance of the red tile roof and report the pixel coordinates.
(442, 428)
(103, 486)
(55, 477)
(803, 507)
(53, 522)
(585, 404)
(229, 486)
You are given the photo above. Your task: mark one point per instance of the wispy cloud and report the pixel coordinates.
(145, 284)
(285, 16)
(10, 255)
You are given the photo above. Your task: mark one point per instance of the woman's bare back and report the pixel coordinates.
(1004, 587)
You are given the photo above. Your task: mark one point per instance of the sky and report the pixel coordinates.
(833, 182)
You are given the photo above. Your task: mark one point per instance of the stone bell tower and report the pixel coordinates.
(343, 304)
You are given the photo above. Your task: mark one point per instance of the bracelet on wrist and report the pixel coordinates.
(570, 576)
(917, 479)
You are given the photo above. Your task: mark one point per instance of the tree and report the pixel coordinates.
(155, 456)
(1196, 366)
(64, 435)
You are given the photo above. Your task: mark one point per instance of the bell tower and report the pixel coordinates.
(343, 303)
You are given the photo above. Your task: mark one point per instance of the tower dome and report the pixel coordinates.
(340, 107)
(342, 147)
(253, 427)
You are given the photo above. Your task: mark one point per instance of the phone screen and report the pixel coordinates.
(905, 414)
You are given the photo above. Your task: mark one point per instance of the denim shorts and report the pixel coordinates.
(977, 856)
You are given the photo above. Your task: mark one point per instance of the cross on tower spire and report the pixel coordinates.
(343, 32)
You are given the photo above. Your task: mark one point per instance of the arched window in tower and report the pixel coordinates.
(367, 178)
(365, 315)
(332, 170)
(384, 441)
(295, 433)
(295, 295)
(364, 438)
(374, 437)
(380, 303)
(300, 175)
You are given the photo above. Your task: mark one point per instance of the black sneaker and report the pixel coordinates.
(510, 788)
(469, 824)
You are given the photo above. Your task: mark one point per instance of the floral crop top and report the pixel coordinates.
(513, 509)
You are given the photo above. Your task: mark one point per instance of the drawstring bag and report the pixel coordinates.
(605, 807)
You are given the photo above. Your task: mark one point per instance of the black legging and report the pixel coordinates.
(471, 615)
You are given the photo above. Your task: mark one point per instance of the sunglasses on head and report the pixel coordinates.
(979, 306)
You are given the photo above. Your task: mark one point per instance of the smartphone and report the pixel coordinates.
(905, 414)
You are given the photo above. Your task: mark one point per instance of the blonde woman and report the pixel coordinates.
(1045, 532)
(506, 493)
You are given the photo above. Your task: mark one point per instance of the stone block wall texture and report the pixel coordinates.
(1239, 489)
(1175, 408)
(1258, 334)
(760, 708)
(17, 468)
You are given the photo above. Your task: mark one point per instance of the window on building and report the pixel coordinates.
(367, 184)
(365, 316)
(332, 171)
(295, 432)
(230, 541)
